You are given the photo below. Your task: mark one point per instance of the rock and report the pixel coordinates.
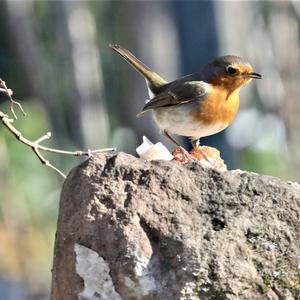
(130, 229)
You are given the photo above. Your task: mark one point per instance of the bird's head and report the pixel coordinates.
(229, 71)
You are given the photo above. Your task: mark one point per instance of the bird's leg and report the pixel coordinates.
(196, 145)
(167, 135)
(185, 153)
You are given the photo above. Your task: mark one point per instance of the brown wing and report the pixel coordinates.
(178, 94)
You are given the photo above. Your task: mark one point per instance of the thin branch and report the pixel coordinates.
(13, 102)
(47, 136)
(46, 162)
(35, 145)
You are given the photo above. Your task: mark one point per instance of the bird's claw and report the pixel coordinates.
(182, 155)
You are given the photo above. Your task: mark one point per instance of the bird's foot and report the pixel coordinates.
(182, 155)
(209, 156)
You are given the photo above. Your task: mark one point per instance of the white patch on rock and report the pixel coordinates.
(149, 151)
(94, 271)
(141, 283)
(144, 276)
(189, 291)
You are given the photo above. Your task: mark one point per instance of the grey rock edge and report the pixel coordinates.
(130, 229)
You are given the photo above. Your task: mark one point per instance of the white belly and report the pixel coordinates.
(178, 120)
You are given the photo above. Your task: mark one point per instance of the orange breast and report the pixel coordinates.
(218, 107)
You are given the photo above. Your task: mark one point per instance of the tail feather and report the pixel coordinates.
(153, 79)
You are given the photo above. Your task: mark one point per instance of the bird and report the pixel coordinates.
(196, 105)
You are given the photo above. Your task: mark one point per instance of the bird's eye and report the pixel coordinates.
(231, 70)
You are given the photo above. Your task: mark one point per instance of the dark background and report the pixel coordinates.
(55, 57)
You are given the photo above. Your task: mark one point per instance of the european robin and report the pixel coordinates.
(196, 105)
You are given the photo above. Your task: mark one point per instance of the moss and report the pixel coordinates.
(263, 289)
(267, 279)
(278, 277)
(295, 286)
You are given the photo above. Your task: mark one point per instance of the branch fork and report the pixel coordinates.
(36, 145)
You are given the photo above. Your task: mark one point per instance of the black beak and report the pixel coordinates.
(253, 75)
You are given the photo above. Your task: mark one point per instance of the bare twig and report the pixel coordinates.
(35, 145)
(13, 102)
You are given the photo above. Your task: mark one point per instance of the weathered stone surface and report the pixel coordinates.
(129, 229)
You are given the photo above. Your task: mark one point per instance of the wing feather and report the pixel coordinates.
(178, 94)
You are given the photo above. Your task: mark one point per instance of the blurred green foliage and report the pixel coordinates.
(263, 162)
(28, 198)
